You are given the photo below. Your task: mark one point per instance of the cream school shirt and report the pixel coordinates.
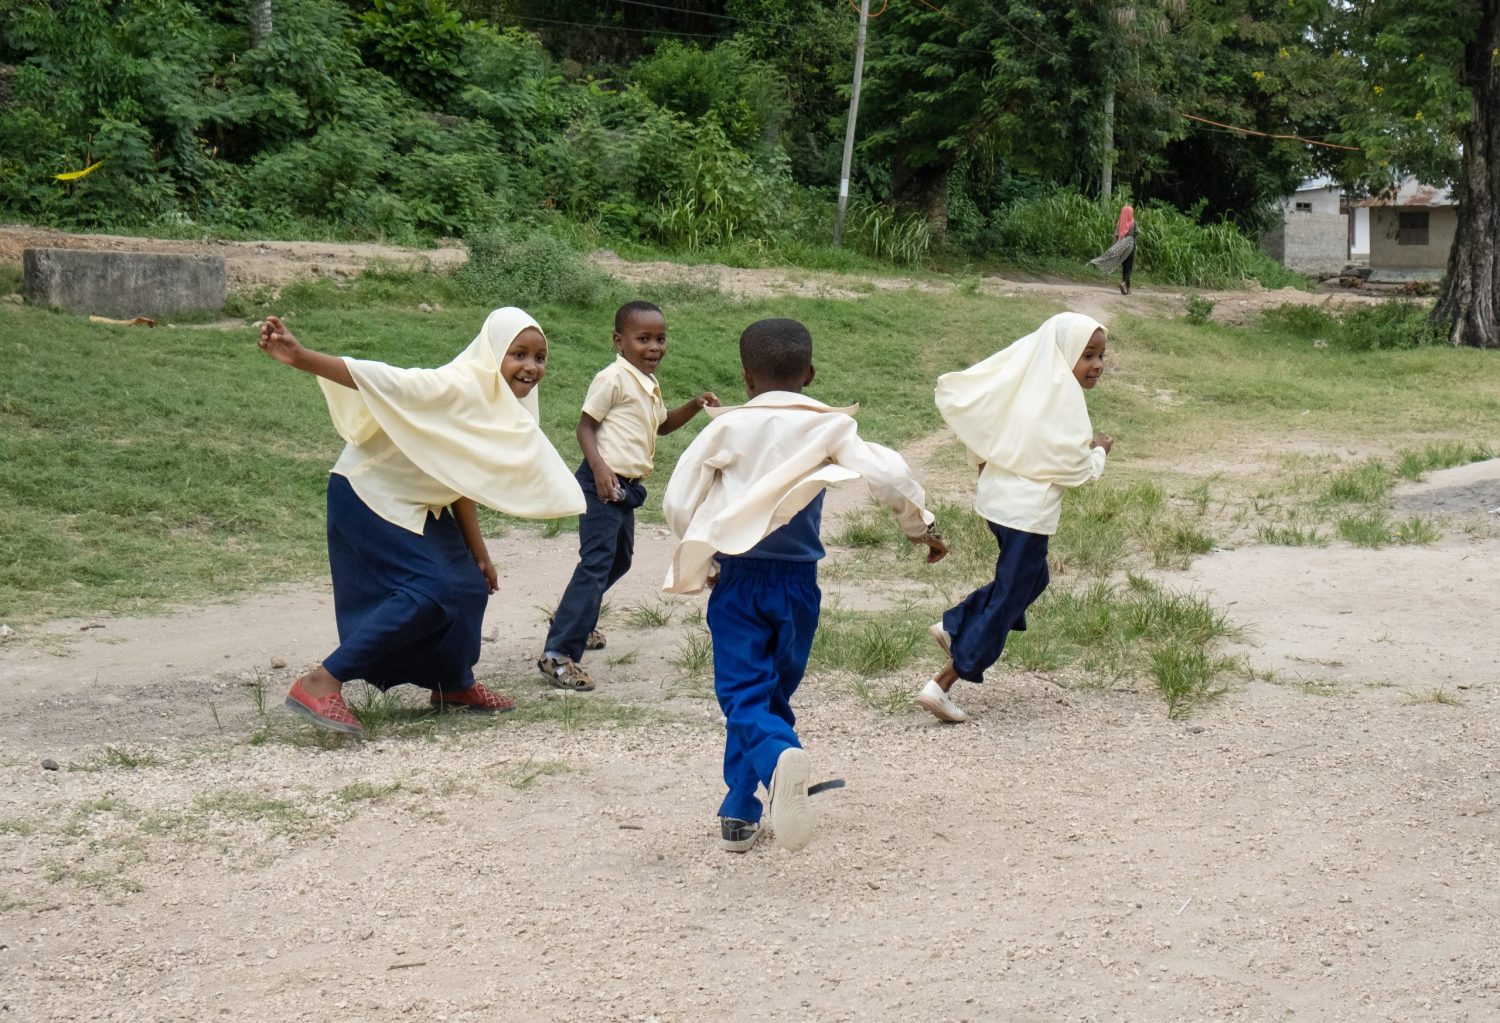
(1032, 506)
(628, 407)
(390, 484)
(756, 465)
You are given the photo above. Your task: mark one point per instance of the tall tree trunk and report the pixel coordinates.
(260, 21)
(924, 189)
(1469, 308)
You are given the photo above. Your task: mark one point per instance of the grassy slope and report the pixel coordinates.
(144, 467)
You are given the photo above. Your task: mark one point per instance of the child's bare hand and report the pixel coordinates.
(606, 486)
(1104, 441)
(490, 575)
(278, 342)
(708, 399)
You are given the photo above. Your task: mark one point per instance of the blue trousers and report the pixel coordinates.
(409, 607)
(606, 542)
(762, 616)
(980, 625)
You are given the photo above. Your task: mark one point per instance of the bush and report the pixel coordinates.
(1393, 324)
(1199, 309)
(1064, 225)
(506, 268)
(743, 96)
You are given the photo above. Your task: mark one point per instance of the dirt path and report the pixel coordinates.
(1320, 846)
(275, 264)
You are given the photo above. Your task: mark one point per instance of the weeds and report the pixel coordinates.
(1416, 530)
(641, 615)
(1366, 483)
(1370, 530)
(1186, 675)
(1412, 464)
(694, 655)
(875, 646)
(1200, 310)
(1438, 696)
(1291, 536)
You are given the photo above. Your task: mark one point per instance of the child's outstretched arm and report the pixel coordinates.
(679, 416)
(279, 343)
(468, 524)
(891, 484)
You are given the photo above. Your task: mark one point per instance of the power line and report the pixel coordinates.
(612, 28)
(1271, 135)
(706, 14)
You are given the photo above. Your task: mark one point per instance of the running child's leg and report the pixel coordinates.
(599, 530)
(746, 682)
(981, 624)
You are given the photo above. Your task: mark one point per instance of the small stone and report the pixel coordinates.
(6, 632)
(423, 307)
(271, 953)
(1195, 729)
(278, 662)
(492, 635)
(49, 764)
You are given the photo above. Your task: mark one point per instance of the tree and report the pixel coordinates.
(260, 21)
(1424, 82)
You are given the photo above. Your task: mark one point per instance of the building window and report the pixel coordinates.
(1411, 228)
(1304, 207)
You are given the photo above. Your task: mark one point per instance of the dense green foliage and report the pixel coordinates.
(716, 125)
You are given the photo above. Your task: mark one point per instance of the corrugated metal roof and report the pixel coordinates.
(1412, 192)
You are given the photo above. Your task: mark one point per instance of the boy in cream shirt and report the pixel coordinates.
(623, 414)
(746, 501)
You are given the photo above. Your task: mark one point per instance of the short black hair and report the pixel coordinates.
(629, 309)
(776, 351)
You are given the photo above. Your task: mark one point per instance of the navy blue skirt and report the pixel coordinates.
(986, 618)
(409, 607)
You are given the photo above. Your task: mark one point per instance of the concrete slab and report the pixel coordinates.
(123, 283)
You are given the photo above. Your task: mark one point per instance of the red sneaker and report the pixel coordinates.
(329, 712)
(476, 698)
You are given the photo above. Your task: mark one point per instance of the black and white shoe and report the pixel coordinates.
(737, 836)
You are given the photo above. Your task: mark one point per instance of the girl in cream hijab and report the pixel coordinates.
(1022, 417)
(411, 575)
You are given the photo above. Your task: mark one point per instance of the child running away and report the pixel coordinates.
(622, 416)
(411, 574)
(1022, 417)
(746, 501)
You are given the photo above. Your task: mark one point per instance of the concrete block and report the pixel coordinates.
(123, 283)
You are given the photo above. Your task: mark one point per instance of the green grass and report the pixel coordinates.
(1412, 464)
(868, 644)
(143, 469)
(1368, 482)
(1371, 529)
(1291, 536)
(1111, 634)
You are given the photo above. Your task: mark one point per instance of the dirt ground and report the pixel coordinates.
(274, 264)
(1319, 844)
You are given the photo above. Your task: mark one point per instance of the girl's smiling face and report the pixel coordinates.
(1090, 365)
(525, 362)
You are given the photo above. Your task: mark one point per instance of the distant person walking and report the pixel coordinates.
(1122, 253)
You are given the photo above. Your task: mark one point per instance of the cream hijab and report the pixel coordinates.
(461, 425)
(1022, 410)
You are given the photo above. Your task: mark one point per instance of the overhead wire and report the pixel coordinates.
(1272, 135)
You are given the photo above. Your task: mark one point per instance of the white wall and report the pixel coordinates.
(1361, 245)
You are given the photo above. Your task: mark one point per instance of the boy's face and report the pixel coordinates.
(1090, 365)
(644, 340)
(525, 362)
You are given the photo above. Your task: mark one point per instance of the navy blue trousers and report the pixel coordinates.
(980, 625)
(606, 542)
(762, 616)
(409, 607)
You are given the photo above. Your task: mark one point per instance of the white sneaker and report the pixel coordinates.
(944, 640)
(940, 705)
(787, 805)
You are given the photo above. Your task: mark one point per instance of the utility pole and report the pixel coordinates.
(859, 69)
